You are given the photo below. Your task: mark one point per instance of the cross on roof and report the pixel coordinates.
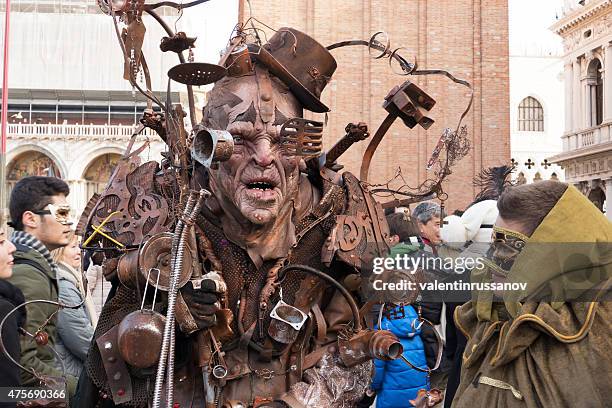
(529, 164)
(546, 164)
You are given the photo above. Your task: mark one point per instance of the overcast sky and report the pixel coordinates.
(529, 25)
(212, 22)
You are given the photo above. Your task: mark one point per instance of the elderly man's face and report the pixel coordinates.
(260, 177)
(431, 230)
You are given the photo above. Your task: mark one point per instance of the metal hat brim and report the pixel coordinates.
(308, 100)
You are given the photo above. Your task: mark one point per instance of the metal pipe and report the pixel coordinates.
(4, 119)
(164, 357)
(166, 360)
(148, 7)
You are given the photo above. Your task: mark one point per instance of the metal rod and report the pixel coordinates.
(148, 7)
(7, 18)
(170, 33)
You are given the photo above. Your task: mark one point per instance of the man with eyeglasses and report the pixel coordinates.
(40, 216)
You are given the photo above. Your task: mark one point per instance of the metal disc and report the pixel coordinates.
(197, 73)
(156, 253)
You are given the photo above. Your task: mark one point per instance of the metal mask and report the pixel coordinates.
(506, 245)
(60, 212)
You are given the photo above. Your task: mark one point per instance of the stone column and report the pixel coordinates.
(608, 191)
(569, 77)
(586, 102)
(576, 99)
(607, 96)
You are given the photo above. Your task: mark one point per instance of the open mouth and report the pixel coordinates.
(260, 185)
(264, 189)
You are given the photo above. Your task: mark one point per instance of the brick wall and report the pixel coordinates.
(469, 38)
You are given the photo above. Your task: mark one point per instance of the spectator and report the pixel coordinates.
(75, 327)
(10, 297)
(40, 216)
(428, 216)
(395, 382)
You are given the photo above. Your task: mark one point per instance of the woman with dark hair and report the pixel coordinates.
(547, 345)
(10, 297)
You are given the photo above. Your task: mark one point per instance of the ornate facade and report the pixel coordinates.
(586, 30)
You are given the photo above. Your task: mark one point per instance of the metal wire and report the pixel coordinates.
(49, 302)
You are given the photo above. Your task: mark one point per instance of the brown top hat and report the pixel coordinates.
(303, 64)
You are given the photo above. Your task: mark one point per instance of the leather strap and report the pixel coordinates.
(364, 312)
(320, 322)
(313, 358)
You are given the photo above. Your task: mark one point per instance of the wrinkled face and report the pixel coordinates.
(431, 230)
(260, 177)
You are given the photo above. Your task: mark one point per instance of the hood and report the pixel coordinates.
(569, 255)
(572, 249)
(67, 272)
(405, 327)
(34, 256)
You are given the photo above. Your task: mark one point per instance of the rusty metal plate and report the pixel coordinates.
(156, 253)
(197, 73)
(119, 379)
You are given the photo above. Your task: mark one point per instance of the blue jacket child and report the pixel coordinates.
(395, 382)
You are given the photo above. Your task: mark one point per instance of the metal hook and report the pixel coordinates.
(144, 295)
(180, 15)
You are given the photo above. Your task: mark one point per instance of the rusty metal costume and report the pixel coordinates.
(334, 226)
(237, 262)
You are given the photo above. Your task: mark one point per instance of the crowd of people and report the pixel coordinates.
(488, 351)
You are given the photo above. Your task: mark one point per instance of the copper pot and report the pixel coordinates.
(140, 337)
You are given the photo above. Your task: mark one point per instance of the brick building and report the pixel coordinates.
(469, 38)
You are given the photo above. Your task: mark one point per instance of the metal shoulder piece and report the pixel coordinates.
(361, 231)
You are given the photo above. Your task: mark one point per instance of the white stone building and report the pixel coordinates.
(586, 29)
(536, 90)
(71, 113)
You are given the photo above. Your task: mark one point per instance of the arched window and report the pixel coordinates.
(30, 163)
(99, 171)
(595, 93)
(530, 115)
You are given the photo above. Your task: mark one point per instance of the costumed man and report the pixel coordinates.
(547, 345)
(268, 212)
